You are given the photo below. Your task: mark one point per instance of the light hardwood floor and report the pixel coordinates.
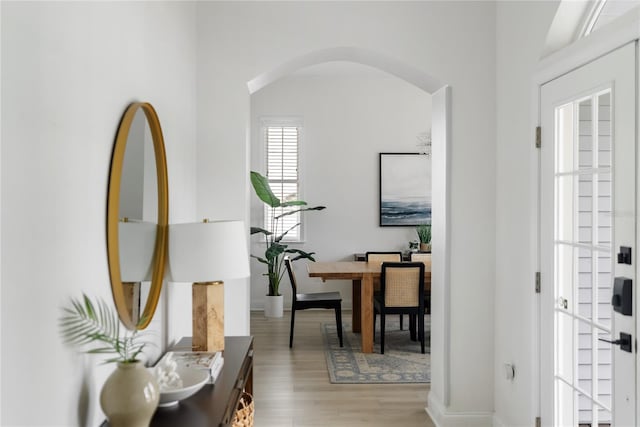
(292, 388)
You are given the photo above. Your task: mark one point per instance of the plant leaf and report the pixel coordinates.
(262, 260)
(86, 322)
(293, 203)
(301, 254)
(315, 208)
(279, 238)
(91, 313)
(274, 251)
(263, 190)
(256, 230)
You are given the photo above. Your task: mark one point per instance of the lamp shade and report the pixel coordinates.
(136, 245)
(208, 251)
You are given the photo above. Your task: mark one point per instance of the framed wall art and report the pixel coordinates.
(405, 189)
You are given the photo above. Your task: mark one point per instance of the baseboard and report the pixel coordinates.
(442, 417)
(497, 422)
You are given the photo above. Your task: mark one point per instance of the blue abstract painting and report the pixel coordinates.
(405, 189)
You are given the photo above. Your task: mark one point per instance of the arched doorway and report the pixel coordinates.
(441, 160)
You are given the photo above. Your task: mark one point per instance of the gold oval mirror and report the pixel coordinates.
(137, 215)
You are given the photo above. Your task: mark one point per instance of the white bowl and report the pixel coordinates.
(192, 381)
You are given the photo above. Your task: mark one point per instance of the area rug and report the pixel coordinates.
(402, 361)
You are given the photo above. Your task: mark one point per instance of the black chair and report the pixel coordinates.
(381, 257)
(330, 300)
(401, 292)
(426, 259)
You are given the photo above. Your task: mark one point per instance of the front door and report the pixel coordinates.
(588, 212)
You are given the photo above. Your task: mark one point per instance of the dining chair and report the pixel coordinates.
(329, 300)
(381, 257)
(402, 292)
(426, 259)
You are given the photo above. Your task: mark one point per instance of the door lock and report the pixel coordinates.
(622, 299)
(624, 342)
(624, 256)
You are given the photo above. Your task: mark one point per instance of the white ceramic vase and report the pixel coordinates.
(130, 396)
(273, 305)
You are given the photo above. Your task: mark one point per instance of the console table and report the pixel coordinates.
(406, 256)
(215, 404)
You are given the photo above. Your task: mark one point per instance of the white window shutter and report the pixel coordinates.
(282, 143)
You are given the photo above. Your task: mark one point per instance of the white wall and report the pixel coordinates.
(521, 32)
(1, 133)
(347, 122)
(68, 72)
(452, 41)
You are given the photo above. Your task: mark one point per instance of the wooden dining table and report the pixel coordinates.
(364, 273)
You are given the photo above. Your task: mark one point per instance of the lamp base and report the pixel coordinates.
(208, 316)
(131, 292)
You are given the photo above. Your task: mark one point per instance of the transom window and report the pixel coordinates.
(605, 11)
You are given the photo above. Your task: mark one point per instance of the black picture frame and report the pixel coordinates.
(405, 189)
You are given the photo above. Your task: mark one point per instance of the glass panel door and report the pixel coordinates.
(588, 211)
(583, 253)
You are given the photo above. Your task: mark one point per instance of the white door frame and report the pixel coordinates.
(439, 393)
(555, 65)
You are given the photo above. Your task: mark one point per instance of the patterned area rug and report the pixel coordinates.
(402, 361)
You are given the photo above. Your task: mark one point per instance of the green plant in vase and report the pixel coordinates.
(86, 322)
(130, 395)
(424, 234)
(276, 250)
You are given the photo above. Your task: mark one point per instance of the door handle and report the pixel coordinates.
(624, 342)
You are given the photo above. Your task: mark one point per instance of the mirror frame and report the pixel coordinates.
(113, 212)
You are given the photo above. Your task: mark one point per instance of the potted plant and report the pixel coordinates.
(424, 234)
(275, 249)
(130, 395)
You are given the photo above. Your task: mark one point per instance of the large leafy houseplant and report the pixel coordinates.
(276, 250)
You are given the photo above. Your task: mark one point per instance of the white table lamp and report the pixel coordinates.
(137, 242)
(206, 253)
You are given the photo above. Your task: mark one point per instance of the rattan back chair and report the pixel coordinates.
(380, 257)
(425, 258)
(401, 292)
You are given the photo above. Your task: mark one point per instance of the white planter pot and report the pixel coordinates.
(273, 306)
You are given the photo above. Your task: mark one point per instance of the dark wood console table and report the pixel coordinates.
(214, 404)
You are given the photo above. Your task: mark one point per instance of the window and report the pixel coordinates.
(282, 155)
(605, 11)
